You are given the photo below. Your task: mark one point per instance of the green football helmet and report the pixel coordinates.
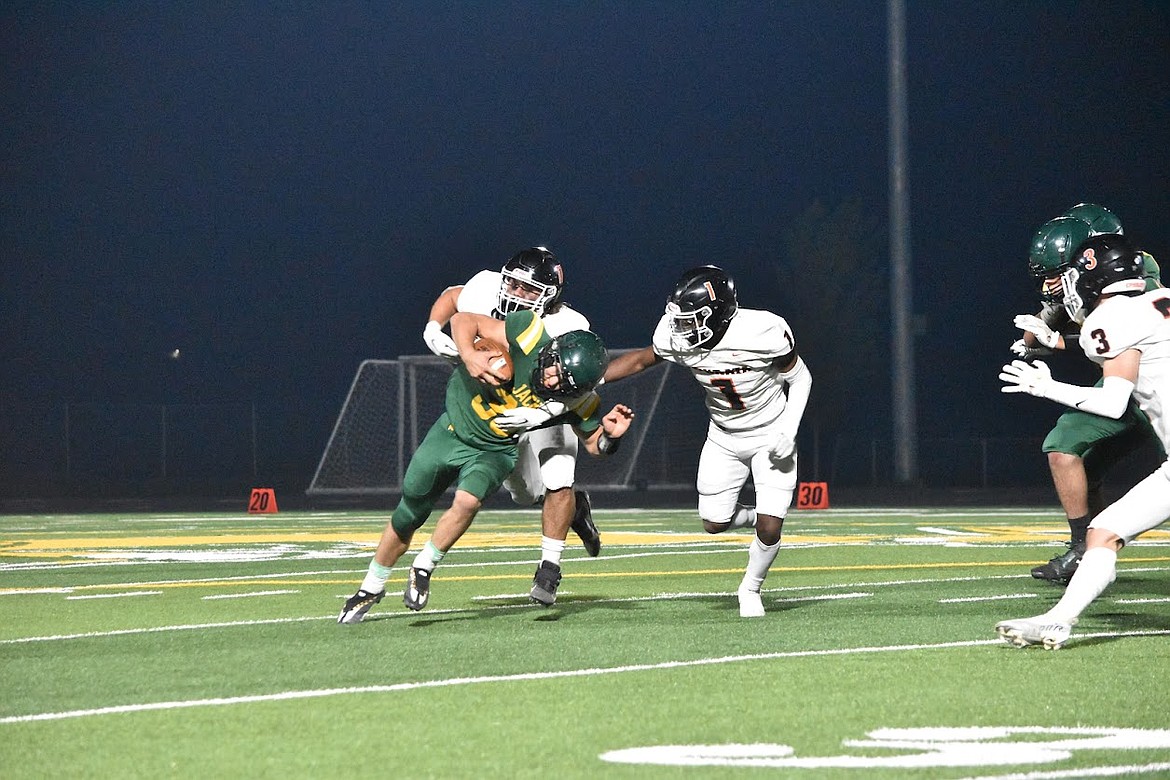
(1099, 219)
(580, 359)
(1053, 248)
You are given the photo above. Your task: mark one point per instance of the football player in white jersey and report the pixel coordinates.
(1081, 448)
(756, 387)
(1127, 331)
(531, 279)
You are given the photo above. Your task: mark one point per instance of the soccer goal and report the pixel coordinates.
(392, 403)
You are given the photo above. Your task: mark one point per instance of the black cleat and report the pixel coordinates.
(544, 584)
(1061, 568)
(583, 524)
(357, 605)
(418, 589)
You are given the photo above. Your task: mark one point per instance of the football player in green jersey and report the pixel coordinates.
(1081, 447)
(473, 443)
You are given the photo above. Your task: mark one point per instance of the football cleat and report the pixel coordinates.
(1040, 630)
(418, 589)
(357, 605)
(544, 584)
(1061, 568)
(583, 524)
(750, 603)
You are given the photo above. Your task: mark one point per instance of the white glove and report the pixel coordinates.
(783, 448)
(521, 419)
(1021, 349)
(1038, 328)
(1020, 377)
(439, 342)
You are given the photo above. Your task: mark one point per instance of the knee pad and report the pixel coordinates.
(410, 514)
(717, 509)
(558, 471)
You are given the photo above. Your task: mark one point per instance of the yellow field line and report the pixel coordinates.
(969, 533)
(581, 575)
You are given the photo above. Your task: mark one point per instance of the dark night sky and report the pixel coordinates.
(280, 191)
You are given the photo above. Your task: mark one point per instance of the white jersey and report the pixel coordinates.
(1141, 322)
(739, 375)
(546, 457)
(481, 293)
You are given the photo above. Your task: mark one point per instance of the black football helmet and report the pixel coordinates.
(701, 307)
(580, 358)
(1104, 264)
(536, 270)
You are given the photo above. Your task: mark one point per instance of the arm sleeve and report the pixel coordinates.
(799, 381)
(1108, 400)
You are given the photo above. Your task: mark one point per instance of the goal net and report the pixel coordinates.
(392, 403)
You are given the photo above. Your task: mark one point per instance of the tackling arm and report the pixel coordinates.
(604, 439)
(445, 305)
(631, 363)
(1108, 400)
(442, 310)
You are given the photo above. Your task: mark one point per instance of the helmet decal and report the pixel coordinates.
(701, 307)
(1105, 264)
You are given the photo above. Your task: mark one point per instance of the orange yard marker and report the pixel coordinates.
(262, 501)
(812, 495)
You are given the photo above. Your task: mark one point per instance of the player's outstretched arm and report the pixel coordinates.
(630, 363)
(442, 310)
(606, 438)
(445, 305)
(1109, 400)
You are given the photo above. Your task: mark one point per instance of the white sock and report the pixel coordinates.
(760, 557)
(744, 517)
(1097, 569)
(376, 576)
(551, 549)
(428, 557)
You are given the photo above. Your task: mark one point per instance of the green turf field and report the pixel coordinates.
(142, 645)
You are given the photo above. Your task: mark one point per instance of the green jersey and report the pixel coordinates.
(473, 406)
(1151, 271)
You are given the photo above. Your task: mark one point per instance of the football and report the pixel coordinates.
(502, 363)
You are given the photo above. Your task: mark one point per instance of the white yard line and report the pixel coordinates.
(248, 595)
(391, 615)
(115, 595)
(1001, 597)
(826, 597)
(1064, 774)
(530, 676)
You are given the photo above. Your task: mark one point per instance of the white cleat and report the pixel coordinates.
(750, 603)
(1040, 630)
